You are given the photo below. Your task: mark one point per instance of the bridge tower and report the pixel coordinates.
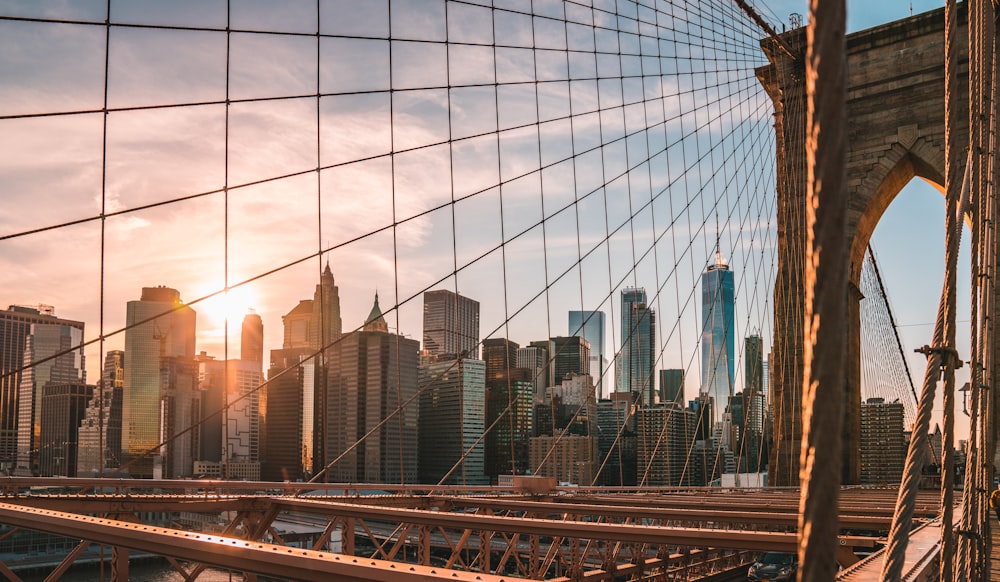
(895, 112)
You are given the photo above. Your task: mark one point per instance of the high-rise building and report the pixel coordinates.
(452, 421)
(567, 458)
(883, 446)
(287, 405)
(664, 432)
(752, 452)
(230, 431)
(63, 405)
(371, 373)
(546, 348)
(509, 419)
(160, 382)
(292, 404)
(52, 353)
(535, 358)
(636, 358)
(298, 324)
(451, 324)
(100, 434)
(590, 325)
(718, 334)
(570, 356)
(327, 325)
(672, 387)
(15, 325)
(617, 440)
(252, 339)
(500, 355)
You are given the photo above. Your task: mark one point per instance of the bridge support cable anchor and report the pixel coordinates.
(950, 357)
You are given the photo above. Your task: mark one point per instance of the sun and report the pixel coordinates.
(230, 305)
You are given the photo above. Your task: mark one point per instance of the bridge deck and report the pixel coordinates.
(995, 552)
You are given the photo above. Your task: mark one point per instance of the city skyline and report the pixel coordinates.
(262, 237)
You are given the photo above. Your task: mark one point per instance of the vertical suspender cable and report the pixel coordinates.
(825, 304)
(952, 224)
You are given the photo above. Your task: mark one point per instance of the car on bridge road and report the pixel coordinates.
(773, 567)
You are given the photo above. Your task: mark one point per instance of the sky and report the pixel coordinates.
(400, 224)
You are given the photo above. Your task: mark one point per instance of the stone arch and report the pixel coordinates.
(883, 183)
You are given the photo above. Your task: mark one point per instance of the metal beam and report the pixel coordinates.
(228, 553)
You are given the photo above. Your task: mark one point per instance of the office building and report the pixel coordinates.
(160, 383)
(570, 356)
(327, 325)
(500, 355)
(672, 387)
(15, 325)
(535, 358)
(567, 458)
(452, 420)
(718, 334)
(637, 355)
(590, 325)
(230, 430)
(252, 339)
(287, 417)
(451, 324)
(52, 353)
(371, 373)
(617, 443)
(883, 445)
(100, 433)
(663, 441)
(63, 405)
(509, 420)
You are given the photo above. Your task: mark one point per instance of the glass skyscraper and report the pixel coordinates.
(451, 324)
(634, 363)
(718, 333)
(159, 345)
(590, 326)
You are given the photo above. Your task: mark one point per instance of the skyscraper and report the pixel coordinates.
(570, 355)
(371, 373)
(64, 340)
(452, 421)
(326, 322)
(451, 324)
(15, 326)
(101, 427)
(883, 445)
(753, 384)
(590, 326)
(63, 405)
(231, 437)
(672, 387)
(252, 339)
(635, 361)
(718, 334)
(160, 378)
(292, 404)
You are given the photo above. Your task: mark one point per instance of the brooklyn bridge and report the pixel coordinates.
(600, 290)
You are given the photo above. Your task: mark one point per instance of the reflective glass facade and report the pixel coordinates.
(634, 364)
(717, 335)
(590, 325)
(169, 333)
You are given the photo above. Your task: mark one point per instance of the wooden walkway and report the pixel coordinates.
(995, 550)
